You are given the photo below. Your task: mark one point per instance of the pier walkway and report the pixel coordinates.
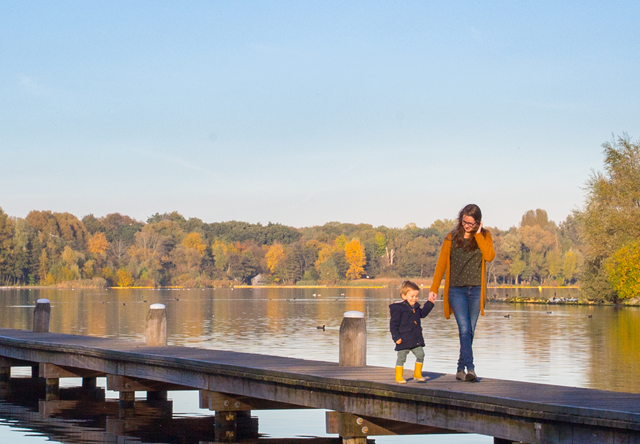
(510, 411)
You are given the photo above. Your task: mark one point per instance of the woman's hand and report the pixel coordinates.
(433, 296)
(479, 228)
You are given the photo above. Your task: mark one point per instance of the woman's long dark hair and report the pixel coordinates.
(457, 234)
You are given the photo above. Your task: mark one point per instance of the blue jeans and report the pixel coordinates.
(465, 304)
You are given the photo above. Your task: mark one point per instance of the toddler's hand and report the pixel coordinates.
(399, 341)
(433, 296)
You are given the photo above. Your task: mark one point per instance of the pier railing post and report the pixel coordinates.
(41, 316)
(156, 328)
(353, 340)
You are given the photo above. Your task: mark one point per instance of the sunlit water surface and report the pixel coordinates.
(581, 346)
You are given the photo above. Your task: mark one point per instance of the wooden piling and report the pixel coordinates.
(159, 395)
(41, 316)
(5, 377)
(126, 404)
(89, 383)
(353, 340)
(156, 327)
(52, 389)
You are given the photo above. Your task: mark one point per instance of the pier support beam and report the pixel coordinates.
(348, 425)
(127, 404)
(5, 380)
(359, 440)
(89, 383)
(52, 392)
(159, 395)
(235, 426)
(353, 340)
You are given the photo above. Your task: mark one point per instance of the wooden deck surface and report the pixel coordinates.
(536, 401)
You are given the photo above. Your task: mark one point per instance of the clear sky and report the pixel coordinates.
(303, 112)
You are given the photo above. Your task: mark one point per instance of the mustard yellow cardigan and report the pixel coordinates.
(485, 243)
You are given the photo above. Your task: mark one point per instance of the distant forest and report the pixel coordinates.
(48, 248)
(597, 247)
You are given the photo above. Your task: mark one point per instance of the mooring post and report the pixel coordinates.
(353, 340)
(156, 328)
(41, 316)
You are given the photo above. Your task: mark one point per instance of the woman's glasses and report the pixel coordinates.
(469, 224)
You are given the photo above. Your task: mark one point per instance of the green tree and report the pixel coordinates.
(328, 272)
(610, 217)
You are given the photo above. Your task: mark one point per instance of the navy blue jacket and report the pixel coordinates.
(405, 323)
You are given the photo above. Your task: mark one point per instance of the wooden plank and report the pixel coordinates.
(57, 372)
(127, 384)
(224, 402)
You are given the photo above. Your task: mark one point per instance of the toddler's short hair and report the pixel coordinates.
(408, 286)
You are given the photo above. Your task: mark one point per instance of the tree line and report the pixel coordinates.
(596, 248)
(49, 248)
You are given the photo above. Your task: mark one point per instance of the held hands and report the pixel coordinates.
(432, 296)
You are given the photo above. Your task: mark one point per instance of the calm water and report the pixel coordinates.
(565, 345)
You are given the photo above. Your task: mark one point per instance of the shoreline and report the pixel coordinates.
(633, 302)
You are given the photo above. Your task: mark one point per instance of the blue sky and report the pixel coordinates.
(308, 112)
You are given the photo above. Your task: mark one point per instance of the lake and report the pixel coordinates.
(581, 346)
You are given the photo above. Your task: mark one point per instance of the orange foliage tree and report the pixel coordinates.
(98, 244)
(194, 240)
(124, 278)
(275, 257)
(354, 253)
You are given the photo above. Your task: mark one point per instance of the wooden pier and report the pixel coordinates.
(363, 401)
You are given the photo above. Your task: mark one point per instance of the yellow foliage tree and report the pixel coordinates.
(124, 278)
(194, 240)
(323, 256)
(275, 256)
(340, 242)
(69, 256)
(623, 268)
(98, 244)
(354, 253)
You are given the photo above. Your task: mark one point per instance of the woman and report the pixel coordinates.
(463, 256)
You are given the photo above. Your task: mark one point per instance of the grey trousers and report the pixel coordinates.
(402, 355)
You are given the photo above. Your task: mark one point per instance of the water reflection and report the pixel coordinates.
(585, 346)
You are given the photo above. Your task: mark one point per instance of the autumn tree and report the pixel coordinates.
(124, 278)
(610, 217)
(194, 240)
(275, 257)
(623, 269)
(98, 246)
(354, 254)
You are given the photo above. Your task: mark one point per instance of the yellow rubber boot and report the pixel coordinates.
(417, 373)
(399, 378)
